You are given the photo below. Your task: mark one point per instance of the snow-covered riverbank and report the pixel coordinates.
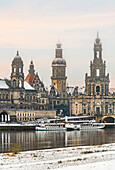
(83, 157)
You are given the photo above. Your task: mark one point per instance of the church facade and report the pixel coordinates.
(96, 98)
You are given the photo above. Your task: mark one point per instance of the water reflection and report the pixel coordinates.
(32, 140)
(76, 138)
(4, 141)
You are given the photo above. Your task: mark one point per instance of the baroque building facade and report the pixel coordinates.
(18, 99)
(96, 98)
(27, 98)
(16, 90)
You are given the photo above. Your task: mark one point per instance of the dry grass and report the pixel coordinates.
(15, 148)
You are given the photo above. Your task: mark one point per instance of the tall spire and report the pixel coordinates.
(97, 48)
(97, 40)
(31, 70)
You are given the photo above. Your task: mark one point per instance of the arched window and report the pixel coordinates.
(97, 90)
(97, 54)
(84, 111)
(97, 72)
(14, 69)
(14, 83)
(20, 83)
(89, 89)
(19, 70)
(106, 108)
(33, 98)
(3, 96)
(98, 110)
(6, 96)
(28, 98)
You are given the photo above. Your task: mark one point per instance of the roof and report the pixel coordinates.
(30, 78)
(3, 84)
(27, 86)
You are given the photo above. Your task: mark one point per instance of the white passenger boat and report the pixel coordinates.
(50, 127)
(92, 126)
(84, 126)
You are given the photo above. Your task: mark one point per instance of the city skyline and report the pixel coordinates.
(34, 27)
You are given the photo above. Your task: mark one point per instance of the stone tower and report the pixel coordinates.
(58, 77)
(17, 75)
(97, 84)
(17, 80)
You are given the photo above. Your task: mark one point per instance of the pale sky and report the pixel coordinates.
(35, 26)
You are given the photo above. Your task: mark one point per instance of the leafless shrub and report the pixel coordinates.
(15, 148)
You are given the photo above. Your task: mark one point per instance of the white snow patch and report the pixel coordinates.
(82, 158)
(27, 86)
(3, 84)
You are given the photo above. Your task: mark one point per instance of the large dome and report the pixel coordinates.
(17, 60)
(59, 61)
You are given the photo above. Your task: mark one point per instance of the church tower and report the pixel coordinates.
(17, 75)
(97, 84)
(58, 77)
(17, 81)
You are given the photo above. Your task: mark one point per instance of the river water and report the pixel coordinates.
(33, 140)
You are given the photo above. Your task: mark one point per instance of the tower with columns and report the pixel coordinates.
(96, 98)
(17, 75)
(58, 92)
(59, 77)
(17, 80)
(98, 81)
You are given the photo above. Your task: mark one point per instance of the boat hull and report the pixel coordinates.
(71, 129)
(92, 127)
(50, 129)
